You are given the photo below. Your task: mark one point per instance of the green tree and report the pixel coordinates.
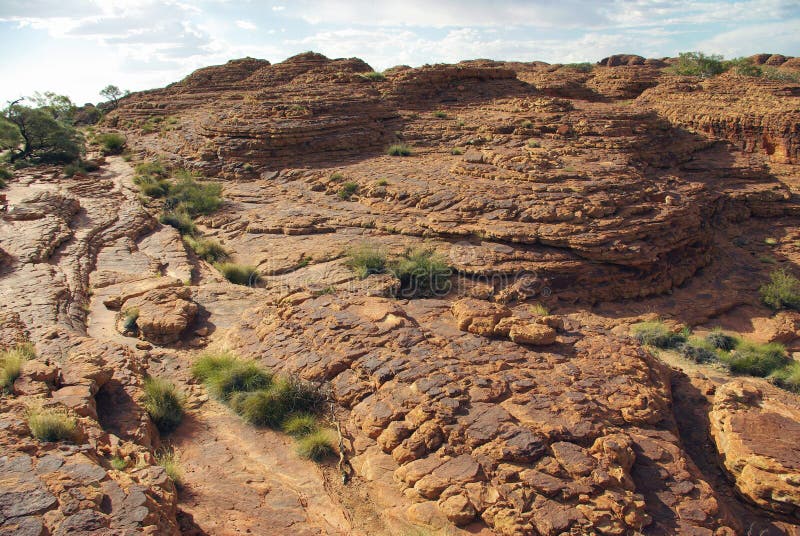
(60, 106)
(113, 94)
(9, 135)
(698, 64)
(42, 136)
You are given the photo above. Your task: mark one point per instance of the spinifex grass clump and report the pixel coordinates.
(52, 424)
(757, 359)
(422, 273)
(239, 274)
(262, 399)
(721, 341)
(12, 361)
(316, 446)
(399, 149)
(366, 259)
(207, 249)
(656, 334)
(163, 403)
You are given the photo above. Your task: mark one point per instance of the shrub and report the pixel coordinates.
(381, 182)
(722, 341)
(656, 334)
(742, 67)
(456, 151)
(300, 424)
(209, 364)
(73, 168)
(440, 114)
(111, 143)
(152, 186)
(422, 272)
(170, 461)
(783, 291)
(698, 64)
(788, 377)
(5, 173)
(207, 249)
(533, 144)
(584, 67)
(163, 403)
(773, 73)
(52, 424)
(118, 463)
(238, 377)
(180, 220)
(347, 190)
(260, 408)
(316, 446)
(399, 149)
(373, 76)
(757, 359)
(366, 259)
(239, 274)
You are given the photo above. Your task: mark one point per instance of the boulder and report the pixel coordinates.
(163, 314)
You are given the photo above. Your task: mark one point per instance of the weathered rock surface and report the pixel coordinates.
(755, 427)
(162, 313)
(608, 195)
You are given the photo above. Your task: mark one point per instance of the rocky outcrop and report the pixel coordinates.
(755, 427)
(161, 314)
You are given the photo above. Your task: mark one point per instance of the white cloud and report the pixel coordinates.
(748, 40)
(246, 25)
(278, 8)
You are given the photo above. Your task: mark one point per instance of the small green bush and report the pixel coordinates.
(317, 446)
(74, 168)
(539, 310)
(373, 76)
(300, 424)
(11, 364)
(5, 173)
(163, 403)
(656, 334)
(757, 359)
(721, 341)
(422, 273)
(788, 377)
(783, 291)
(240, 376)
(440, 114)
(347, 190)
(239, 274)
(118, 463)
(533, 144)
(52, 424)
(697, 64)
(456, 151)
(381, 182)
(180, 220)
(366, 259)
(153, 168)
(111, 143)
(169, 460)
(399, 149)
(207, 249)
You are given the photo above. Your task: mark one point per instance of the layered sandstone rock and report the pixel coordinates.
(162, 314)
(755, 427)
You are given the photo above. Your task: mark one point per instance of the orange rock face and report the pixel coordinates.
(567, 202)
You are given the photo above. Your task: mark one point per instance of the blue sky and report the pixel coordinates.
(77, 47)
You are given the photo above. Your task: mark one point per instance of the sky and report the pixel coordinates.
(78, 47)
